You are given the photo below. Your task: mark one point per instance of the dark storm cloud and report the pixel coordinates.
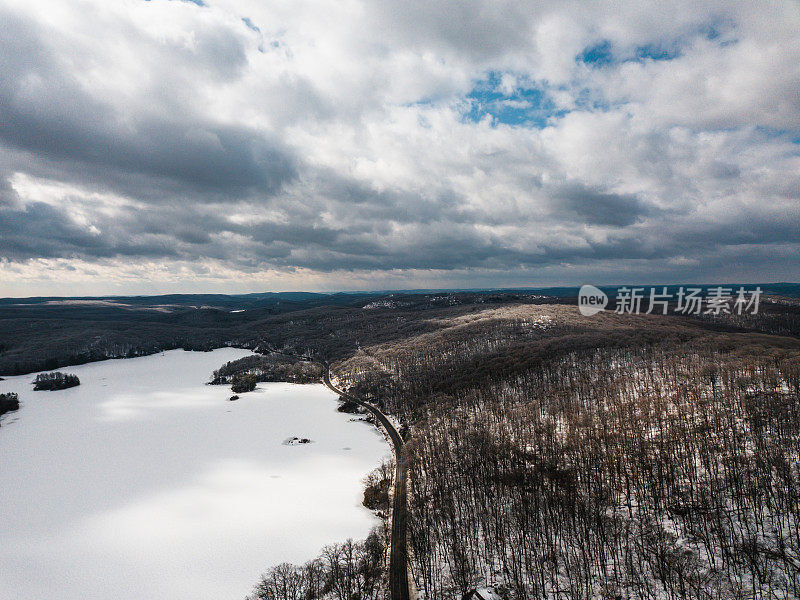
(46, 112)
(380, 207)
(9, 199)
(595, 207)
(436, 250)
(364, 240)
(43, 231)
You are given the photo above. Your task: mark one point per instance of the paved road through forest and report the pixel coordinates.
(398, 551)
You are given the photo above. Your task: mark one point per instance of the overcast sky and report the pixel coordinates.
(234, 146)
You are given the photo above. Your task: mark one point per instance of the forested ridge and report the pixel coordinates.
(618, 457)
(46, 334)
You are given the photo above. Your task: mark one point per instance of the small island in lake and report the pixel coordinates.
(55, 381)
(296, 441)
(8, 402)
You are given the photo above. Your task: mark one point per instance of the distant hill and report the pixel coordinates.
(266, 299)
(46, 333)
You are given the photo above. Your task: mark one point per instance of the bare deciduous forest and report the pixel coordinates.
(644, 458)
(342, 571)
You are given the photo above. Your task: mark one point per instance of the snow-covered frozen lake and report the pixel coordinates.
(145, 483)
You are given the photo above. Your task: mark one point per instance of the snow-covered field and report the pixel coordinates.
(144, 483)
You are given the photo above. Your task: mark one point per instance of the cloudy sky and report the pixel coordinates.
(235, 145)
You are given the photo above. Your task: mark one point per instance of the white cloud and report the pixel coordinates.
(288, 143)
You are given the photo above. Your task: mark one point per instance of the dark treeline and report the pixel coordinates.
(55, 381)
(376, 489)
(776, 315)
(347, 571)
(639, 458)
(272, 367)
(8, 402)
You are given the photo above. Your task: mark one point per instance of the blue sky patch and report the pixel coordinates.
(772, 133)
(604, 53)
(709, 31)
(657, 52)
(250, 25)
(597, 55)
(525, 105)
(723, 32)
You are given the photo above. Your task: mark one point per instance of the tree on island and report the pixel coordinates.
(55, 381)
(8, 402)
(243, 382)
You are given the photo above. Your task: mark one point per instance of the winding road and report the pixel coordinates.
(398, 552)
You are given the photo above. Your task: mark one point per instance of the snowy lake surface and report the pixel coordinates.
(145, 483)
